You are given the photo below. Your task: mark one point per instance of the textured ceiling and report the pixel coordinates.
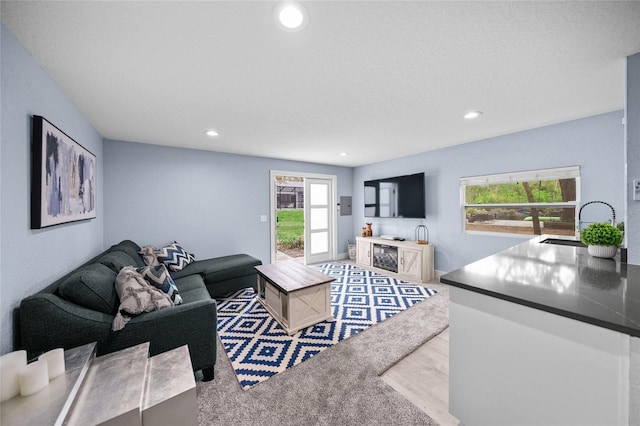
(378, 80)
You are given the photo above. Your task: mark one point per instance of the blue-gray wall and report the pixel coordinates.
(209, 202)
(633, 156)
(596, 144)
(31, 259)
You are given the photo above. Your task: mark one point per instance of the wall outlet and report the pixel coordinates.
(636, 189)
(263, 218)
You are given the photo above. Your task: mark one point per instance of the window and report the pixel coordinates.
(528, 203)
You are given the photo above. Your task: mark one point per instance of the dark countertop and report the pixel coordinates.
(559, 279)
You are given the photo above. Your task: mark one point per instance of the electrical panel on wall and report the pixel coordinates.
(345, 206)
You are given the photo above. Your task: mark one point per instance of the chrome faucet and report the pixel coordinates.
(613, 212)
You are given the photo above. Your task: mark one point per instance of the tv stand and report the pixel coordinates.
(391, 237)
(411, 261)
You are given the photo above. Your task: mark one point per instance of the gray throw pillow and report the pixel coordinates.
(148, 253)
(136, 296)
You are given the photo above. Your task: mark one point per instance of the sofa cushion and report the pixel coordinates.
(196, 295)
(175, 257)
(189, 282)
(159, 277)
(116, 260)
(130, 248)
(124, 245)
(92, 287)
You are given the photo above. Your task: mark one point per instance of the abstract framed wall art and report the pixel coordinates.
(63, 177)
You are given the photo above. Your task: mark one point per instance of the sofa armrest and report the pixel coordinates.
(193, 324)
(48, 321)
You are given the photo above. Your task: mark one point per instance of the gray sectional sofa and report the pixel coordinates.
(79, 308)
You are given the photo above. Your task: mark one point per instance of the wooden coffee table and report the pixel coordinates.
(294, 294)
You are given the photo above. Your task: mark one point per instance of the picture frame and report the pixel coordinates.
(63, 177)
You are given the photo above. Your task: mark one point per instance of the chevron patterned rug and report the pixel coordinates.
(259, 348)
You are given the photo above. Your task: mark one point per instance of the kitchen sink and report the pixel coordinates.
(561, 242)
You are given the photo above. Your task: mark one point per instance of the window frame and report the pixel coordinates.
(569, 172)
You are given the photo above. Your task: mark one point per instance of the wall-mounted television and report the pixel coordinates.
(399, 196)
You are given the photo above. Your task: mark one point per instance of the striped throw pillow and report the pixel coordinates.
(159, 277)
(175, 257)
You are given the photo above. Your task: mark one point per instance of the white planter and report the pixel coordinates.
(602, 251)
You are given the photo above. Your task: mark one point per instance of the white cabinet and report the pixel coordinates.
(411, 261)
(363, 252)
(525, 359)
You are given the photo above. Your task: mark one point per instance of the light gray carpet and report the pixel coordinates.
(339, 386)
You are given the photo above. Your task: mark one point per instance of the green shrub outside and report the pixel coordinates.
(601, 234)
(294, 243)
(497, 213)
(543, 219)
(507, 214)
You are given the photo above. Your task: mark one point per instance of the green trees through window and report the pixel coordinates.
(549, 191)
(517, 204)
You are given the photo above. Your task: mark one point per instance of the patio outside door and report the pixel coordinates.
(319, 204)
(318, 245)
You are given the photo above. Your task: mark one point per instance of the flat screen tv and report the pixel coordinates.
(400, 196)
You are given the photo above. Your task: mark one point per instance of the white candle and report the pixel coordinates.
(10, 365)
(55, 362)
(33, 377)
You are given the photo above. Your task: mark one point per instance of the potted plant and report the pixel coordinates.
(602, 239)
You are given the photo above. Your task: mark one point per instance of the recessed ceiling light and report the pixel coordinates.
(291, 16)
(344, 154)
(472, 114)
(211, 133)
